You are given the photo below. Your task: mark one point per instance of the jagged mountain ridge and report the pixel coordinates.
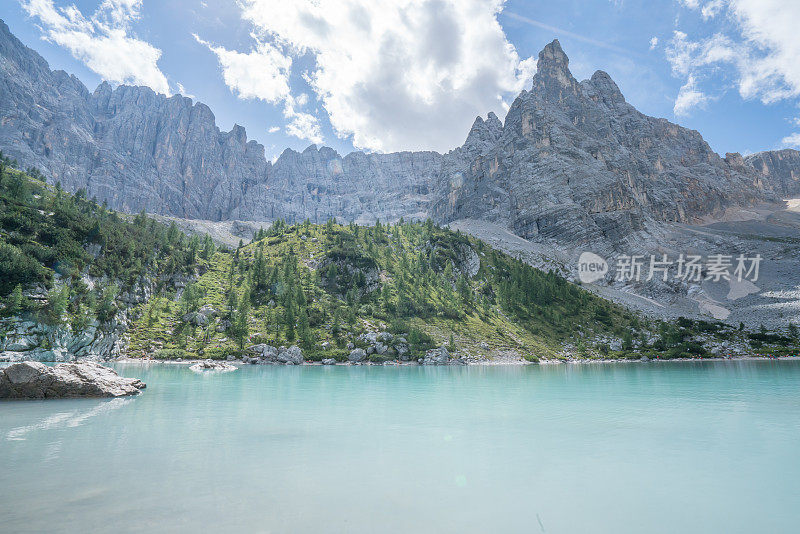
(140, 150)
(573, 162)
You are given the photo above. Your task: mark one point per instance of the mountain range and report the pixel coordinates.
(572, 162)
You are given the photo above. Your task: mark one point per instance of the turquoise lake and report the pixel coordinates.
(627, 448)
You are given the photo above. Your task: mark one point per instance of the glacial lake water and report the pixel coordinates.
(628, 448)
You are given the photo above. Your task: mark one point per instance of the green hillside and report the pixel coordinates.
(311, 284)
(68, 263)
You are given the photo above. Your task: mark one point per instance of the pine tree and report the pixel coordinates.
(57, 301)
(289, 319)
(260, 280)
(16, 301)
(232, 303)
(239, 326)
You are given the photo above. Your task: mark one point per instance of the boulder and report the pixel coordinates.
(195, 318)
(35, 380)
(328, 361)
(438, 356)
(380, 348)
(207, 311)
(291, 356)
(403, 351)
(264, 352)
(357, 355)
(369, 337)
(211, 365)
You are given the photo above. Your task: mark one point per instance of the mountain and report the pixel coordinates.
(575, 161)
(572, 162)
(139, 150)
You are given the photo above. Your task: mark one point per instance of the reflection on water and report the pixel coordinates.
(69, 419)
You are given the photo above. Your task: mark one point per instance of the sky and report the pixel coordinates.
(381, 75)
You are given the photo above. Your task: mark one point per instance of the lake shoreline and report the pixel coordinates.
(487, 363)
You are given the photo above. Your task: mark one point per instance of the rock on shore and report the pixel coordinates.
(35, 380)
(211, 365)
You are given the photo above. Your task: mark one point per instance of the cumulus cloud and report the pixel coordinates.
(759, 54)
(653, 42)
(103, 41)
(300, 124)
(392, 75)
(263, 74)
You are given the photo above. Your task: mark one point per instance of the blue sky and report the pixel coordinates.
(413, 74)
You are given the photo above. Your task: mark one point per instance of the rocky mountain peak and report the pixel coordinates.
(606, 88)
(553, 67)
(494, 124)
(484, 133)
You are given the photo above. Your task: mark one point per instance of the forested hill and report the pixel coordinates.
(325, 287)
(77, 279)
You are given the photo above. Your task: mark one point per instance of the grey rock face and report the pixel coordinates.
(140, 150)
(34, 380)
(572, 162)
(26, 340)
(576, 163)
(780, 168)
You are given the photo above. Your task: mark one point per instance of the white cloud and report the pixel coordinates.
(301, 125)
(792, 141)
(273, 129)
(653, 42)
(689, 97)
(393, 74)
(262, 73)
(711, 9)
(759, 54)
(103, 41)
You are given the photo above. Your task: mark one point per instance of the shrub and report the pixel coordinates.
(219, 353)
(171, 354)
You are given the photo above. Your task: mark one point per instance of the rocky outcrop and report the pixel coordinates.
(437, 356)
(266, 354)
(34, 380)
(28, 340)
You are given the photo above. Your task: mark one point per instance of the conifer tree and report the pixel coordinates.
(16, 301)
